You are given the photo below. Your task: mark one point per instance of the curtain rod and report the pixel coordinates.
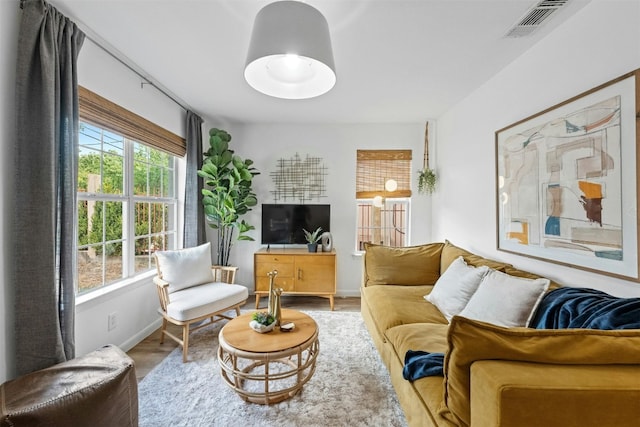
(86, 30)
(146, 79)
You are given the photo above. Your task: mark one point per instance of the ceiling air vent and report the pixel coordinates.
(535, 17)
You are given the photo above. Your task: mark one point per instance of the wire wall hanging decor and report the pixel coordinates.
(299, 179)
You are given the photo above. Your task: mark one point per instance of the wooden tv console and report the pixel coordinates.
(300, 272)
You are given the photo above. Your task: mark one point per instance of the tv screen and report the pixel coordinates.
(283, 224)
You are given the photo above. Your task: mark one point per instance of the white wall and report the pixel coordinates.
(601, 42)
(336, 145)
(9, 20)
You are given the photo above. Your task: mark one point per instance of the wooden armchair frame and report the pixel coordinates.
(219, 274)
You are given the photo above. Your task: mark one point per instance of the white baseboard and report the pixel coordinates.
(137, 338)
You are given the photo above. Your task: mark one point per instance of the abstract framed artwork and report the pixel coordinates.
(567, 181)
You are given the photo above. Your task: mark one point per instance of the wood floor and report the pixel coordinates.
(149, 352)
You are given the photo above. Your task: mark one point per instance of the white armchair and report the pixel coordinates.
(191, 290)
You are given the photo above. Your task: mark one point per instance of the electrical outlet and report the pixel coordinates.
(112, 321)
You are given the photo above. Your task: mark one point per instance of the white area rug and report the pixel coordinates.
(350, 387)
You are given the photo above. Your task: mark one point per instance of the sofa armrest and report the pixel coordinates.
(508, 393)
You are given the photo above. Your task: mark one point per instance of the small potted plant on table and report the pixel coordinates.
(262, 322)
(313, 238)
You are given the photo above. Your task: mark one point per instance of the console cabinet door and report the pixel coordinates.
(315, 274)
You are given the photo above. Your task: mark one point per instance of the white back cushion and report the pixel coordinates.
(454, 288)
(185, 267)
(505, 300)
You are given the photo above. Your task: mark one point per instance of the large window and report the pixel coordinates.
(127, 206)
(383, 195)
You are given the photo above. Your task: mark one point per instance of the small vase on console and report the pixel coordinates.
(327, 242)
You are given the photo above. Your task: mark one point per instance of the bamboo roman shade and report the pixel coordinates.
(102, 112)
(376, 167)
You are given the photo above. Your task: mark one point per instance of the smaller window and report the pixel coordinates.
(385, 224)
(383, 195)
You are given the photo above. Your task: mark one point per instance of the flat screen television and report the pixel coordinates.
(283, 223)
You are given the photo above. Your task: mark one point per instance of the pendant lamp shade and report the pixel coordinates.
(290, 53)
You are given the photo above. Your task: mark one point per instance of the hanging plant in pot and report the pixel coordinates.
(427, 176)
(426, 181)
(227, 195)
(313, 238)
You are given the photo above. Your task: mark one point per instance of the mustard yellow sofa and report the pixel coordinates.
(493, 375)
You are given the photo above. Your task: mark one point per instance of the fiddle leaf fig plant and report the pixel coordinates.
(228, 194)
(427, 181)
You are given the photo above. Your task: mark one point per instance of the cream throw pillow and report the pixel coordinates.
(185, 267)
(505, 300)
(455, 287)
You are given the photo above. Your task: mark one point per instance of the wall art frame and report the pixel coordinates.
(567, 181)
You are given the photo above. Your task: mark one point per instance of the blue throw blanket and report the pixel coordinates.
(562, 308)
(584, 308)
(418, 364)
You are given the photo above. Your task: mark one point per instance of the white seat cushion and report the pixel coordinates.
(197, 301)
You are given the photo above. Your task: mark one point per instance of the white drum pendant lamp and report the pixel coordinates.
(290, 53)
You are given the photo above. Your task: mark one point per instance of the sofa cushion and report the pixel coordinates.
(197, 301)
(430, 337)
(185, 267)
(455, 287)
(400, 305)
(470, 341)
(414, 265)
(505, 300)
(426, 337)
(450, 252)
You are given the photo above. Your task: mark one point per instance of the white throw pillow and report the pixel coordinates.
(505, 300)
(186, 267)
(454, 288)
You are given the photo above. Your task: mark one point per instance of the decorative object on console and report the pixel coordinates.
(566, 182)
(227, 194)
(290, 54)
(313, 238)
(327, 242)
(299, 179)
(426, 177)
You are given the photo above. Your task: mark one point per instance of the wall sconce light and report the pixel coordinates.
(391, 185)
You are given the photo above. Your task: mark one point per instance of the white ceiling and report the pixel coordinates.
(397, 61)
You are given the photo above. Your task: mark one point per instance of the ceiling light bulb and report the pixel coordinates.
(378, 201)
(292, 69)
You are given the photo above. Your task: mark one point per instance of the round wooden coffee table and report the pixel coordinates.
(271, 367)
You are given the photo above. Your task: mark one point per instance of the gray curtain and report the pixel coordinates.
(194, 224)
(45, 187)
